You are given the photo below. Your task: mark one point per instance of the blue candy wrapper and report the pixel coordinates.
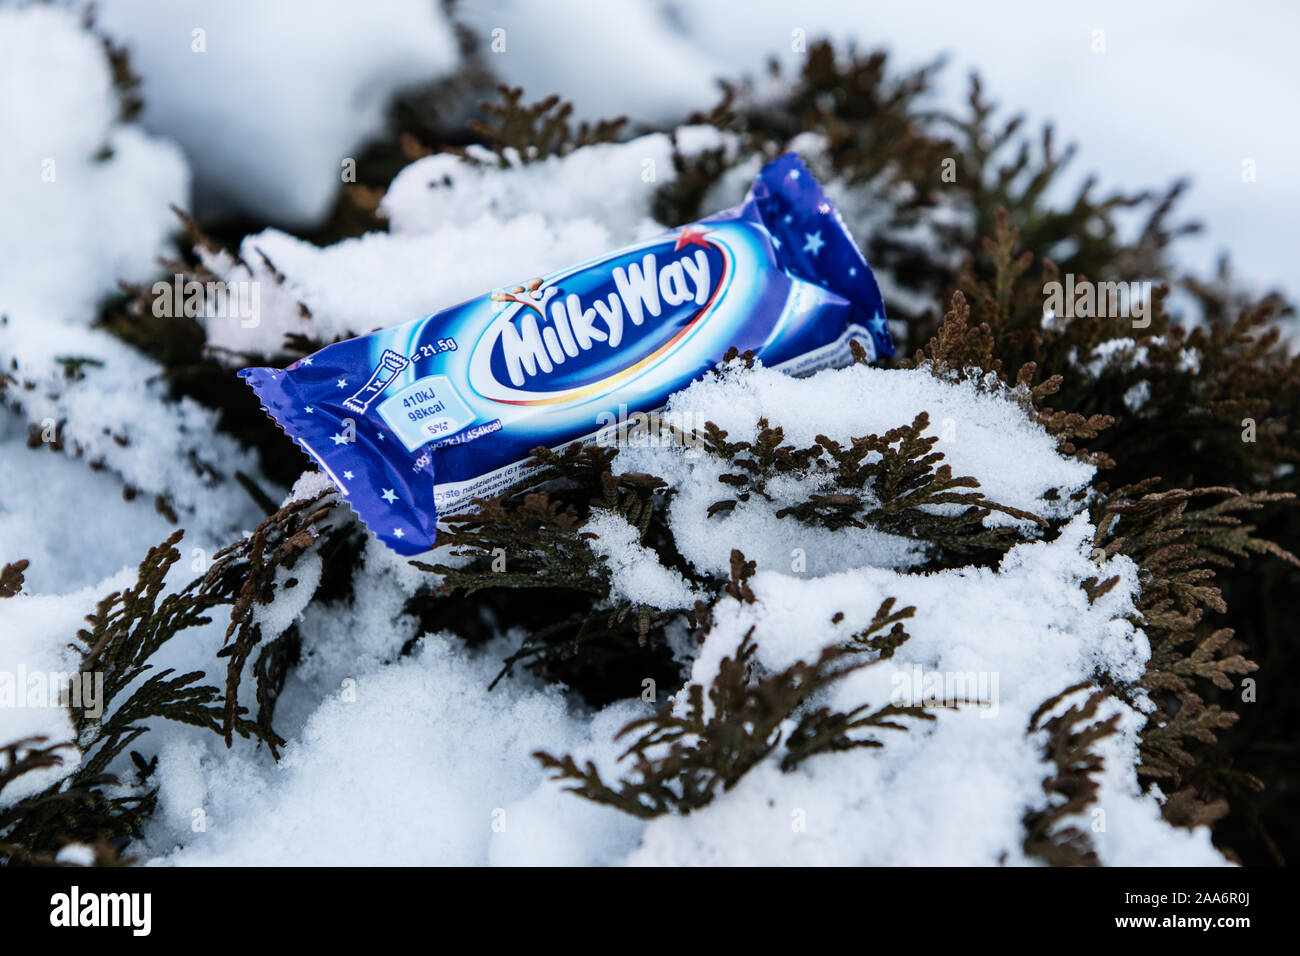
(418, 419)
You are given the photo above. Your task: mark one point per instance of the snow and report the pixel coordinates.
(379, 768)
(170, 449)
(636, 574)
(76, 854)
(308, 486)
(418, 789)
(104, 217)
(396, 757)
(267, 135)
(978, 429)
(951, 792)
(39, 494)
(1137, 395)
(609, 183)
(100, 189)
(659, 76)
(1125, 355)
(34, 632)
(294, 588)
(384, 279)
(99, 214)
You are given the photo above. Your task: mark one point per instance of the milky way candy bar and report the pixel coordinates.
(418, 419)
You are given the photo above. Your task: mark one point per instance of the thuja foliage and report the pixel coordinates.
(704, 743)
(90, 805)
(1182, 538)
(1051, 831)
(886, 482)
(1218, 412)
(1221, 398)
(246, 575)
(1181, 550)
(11, 578)
(127, 628)
(960, 350)
(531, 538)
(1206, 406)
(33, 829)
(1219, 404)
(519, 132)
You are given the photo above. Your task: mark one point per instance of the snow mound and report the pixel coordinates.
(86, 200)
(624, 58)
(85, 197)
(397, 765)
(267, 135)
(635, 571)
(979, 430)
(951, 792)
(608, 183)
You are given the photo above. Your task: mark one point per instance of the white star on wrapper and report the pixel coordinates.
(853, 270)
(347, 475)
(388, 495)
(308, 409)
(794, 174)
(343, 383)
(339, 439)
(398, 533)
(306, 361)
(814, 242)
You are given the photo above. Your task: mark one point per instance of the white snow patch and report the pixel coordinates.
(611, 59)
(637, 576)
(85, 197)
(267, 135)
(419, 766)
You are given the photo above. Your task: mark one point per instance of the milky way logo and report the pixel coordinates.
(583, 332)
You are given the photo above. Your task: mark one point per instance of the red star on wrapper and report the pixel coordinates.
(691, 237)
